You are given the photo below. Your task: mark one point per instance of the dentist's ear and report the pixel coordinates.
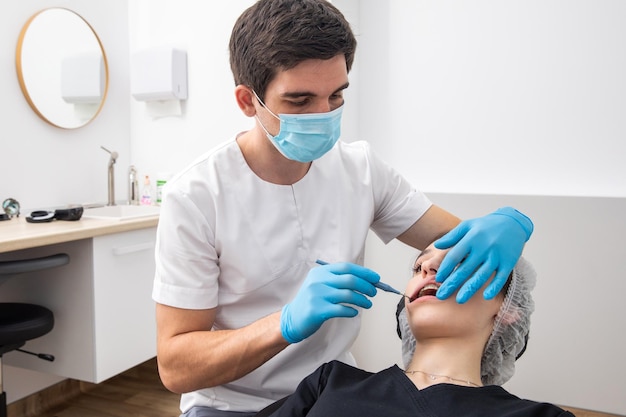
(245, 100)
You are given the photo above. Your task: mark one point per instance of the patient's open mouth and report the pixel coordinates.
(428, 289)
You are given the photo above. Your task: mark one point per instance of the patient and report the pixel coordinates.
(456, 357)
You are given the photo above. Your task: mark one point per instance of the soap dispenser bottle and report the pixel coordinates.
(133, 186)
(146, 192)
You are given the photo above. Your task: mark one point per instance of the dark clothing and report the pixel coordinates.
(337, 389)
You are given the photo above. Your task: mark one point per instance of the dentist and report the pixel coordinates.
(243, 312)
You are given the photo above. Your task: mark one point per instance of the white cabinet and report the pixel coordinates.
(101, 300)
(124, 313)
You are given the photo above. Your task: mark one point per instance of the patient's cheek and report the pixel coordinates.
(411, 284)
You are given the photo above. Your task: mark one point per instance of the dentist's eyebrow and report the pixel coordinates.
(297, 94)
(343, 87)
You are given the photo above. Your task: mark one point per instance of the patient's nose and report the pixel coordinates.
(429, 268)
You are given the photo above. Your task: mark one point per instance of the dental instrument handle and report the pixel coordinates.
(387, 287)
(381, 285)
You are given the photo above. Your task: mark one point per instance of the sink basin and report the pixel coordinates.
(122, 212)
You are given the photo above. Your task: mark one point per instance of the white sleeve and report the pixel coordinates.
(398, 204)
(186, 260)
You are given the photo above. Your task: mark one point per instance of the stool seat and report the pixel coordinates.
(20, 322)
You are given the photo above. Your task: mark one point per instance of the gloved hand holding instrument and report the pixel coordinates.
(326, 293)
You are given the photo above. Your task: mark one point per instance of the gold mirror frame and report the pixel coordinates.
(39, 60)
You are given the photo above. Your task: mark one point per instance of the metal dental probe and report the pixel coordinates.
(379, 284)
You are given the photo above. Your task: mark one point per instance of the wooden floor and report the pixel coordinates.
(137, 392)
(587, 413)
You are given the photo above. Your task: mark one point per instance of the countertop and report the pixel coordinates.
(17, 233)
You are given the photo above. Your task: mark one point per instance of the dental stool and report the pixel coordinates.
(21, 322)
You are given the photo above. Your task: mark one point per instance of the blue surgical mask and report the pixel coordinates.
(305, 137)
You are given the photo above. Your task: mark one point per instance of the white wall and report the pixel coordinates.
(492, 96)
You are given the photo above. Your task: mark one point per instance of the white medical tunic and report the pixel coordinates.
(229, 240)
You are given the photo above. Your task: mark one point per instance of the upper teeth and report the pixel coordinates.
(428, 287)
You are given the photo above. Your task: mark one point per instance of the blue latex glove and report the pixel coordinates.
(323, 296)
(488, 244)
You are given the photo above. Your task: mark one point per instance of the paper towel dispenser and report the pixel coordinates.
(159, 74)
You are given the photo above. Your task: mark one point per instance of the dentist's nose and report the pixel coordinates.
(323, 107)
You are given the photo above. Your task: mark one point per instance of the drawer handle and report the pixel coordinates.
(125, 250)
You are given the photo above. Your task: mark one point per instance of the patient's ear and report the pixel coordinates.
(510, 316)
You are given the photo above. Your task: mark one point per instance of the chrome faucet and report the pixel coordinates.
(133, 186)
(111, 176)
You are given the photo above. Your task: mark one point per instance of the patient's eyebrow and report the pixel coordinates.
(424, 252)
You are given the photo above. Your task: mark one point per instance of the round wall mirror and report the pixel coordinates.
(62, 68)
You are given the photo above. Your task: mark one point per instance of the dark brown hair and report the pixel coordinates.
(276, 35)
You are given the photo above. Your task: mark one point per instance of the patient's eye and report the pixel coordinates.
(417, 269)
